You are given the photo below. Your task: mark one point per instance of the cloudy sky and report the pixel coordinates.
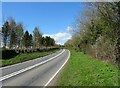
(54, 19)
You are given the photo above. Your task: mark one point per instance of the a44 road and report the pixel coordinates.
(38, 72)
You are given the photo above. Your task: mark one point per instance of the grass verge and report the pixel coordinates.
(25, 57)
(82, 70)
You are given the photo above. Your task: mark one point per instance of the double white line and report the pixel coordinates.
(28, 68)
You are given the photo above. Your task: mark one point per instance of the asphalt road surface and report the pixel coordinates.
(37, 72)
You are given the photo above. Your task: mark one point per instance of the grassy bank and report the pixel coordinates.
(25, 57)
(82, 70)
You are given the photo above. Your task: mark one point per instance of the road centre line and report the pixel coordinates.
(28, 68)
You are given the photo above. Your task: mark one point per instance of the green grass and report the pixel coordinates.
(25, 57)
(82, 70)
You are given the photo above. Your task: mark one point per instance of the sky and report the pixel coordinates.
(54, 19)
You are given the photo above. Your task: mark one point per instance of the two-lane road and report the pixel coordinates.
(37, 72)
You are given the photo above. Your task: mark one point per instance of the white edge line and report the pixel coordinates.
(28, 68)
(57, 71)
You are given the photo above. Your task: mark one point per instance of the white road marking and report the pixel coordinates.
(57, 71)
(28, 68)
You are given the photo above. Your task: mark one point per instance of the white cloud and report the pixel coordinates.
(69, 29)
(60, 37)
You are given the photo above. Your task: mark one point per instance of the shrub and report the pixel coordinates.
(7, 54)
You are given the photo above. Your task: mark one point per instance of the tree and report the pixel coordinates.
(43, 42)
(98, 31)
(13, 36)
(48, 41)
(68, 44)
(30, 40)
(19, 32)
(52, 42)
(110, 14)
(117, 5)
(5, 33)
(37, 37)
(26, 39)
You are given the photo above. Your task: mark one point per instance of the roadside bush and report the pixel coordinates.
(7, 54)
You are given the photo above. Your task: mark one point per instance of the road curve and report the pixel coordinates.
(37, 72)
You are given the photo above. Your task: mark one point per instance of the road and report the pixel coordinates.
(37, 72)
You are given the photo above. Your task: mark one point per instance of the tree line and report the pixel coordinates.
(97, 31)
(14, 37)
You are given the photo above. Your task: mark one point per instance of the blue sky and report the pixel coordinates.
(53, 18)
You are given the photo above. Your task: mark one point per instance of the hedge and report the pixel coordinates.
(7, 53)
